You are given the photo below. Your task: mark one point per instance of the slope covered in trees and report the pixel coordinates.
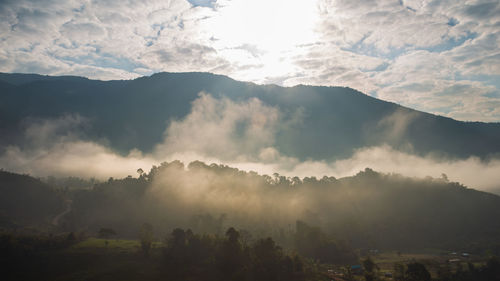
(314, 216)
(333, 120)
(214, 222)
(26, 201)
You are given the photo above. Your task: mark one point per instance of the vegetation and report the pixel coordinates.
(368, 211)
(185, 256)
(213, 222)
(141, 107)
(26, 201)
(203, 257)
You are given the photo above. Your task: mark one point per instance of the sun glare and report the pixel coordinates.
(264, 33)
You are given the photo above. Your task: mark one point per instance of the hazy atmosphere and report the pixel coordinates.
(250, 140)
(239, 134)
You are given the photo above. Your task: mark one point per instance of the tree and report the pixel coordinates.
(266, 262)
(370, 268)
(417, 272)
(140, 171)
(492, 269)
(176, 254)
(230, 259)
(312, 242)
(147, 237)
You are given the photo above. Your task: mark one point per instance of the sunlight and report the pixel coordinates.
(264, 32)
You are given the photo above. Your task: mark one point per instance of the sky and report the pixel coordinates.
(441, 57)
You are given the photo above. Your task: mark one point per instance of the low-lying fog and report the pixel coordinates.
(238, 134)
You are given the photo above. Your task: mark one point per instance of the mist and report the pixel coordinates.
(240, 134)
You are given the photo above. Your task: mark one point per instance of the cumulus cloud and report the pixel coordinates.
(378, 47)
(430, 45)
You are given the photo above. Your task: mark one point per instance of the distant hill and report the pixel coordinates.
(369, 210)
(335, 120)
(26, 201)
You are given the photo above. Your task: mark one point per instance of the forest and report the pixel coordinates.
(214, 222)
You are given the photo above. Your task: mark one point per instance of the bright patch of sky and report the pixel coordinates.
(437, 56)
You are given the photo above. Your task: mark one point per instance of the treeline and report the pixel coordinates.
(190, 256)
(22, 255)
(184, 256)
(69, 183)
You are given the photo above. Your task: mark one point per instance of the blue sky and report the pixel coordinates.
(437, 56)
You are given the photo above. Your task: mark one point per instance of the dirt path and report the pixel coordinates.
(68, 203)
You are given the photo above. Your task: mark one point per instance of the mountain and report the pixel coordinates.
(334, 120)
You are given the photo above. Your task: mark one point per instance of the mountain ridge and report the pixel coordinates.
(336, 120)
(12, 80)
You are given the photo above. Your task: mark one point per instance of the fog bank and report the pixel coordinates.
(239, 134)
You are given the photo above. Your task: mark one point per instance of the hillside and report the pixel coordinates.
(368, 210)
(26, 201)
(330, 221)
(334, 121)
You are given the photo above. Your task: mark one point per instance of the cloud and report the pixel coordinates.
(416, 44)
(377, 47)
(240, 134)
(223, 129)
(57, 147)
(40, 132)
(395, 125)
(472, 171)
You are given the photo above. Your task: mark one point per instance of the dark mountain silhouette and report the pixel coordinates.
(26, 201)
(335, 120)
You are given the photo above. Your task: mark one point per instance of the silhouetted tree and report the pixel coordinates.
(370, 269)
(266, 260)
(417, 272)
(231, 260)
(492, 269)
(312, 242)
(146, 236)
